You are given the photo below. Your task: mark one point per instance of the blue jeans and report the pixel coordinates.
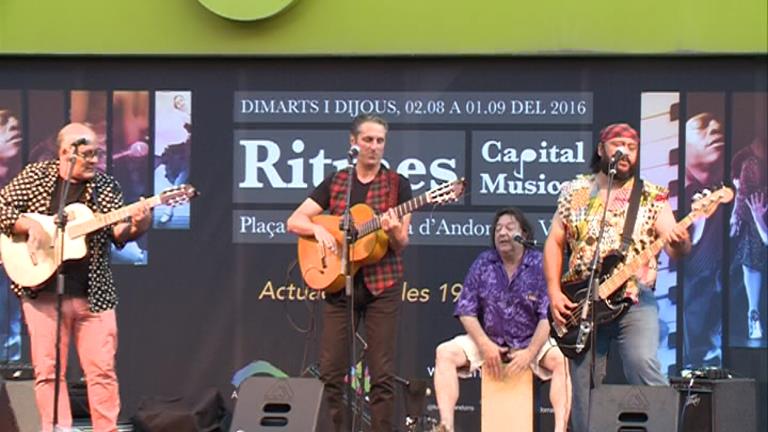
(637, 337)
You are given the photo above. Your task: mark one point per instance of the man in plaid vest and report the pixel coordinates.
(374, 296)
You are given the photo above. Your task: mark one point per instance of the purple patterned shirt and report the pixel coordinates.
(508, 309)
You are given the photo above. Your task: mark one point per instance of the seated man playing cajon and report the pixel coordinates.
(503, 308)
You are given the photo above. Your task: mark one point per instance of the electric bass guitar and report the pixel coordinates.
(81, 221)
(321, 268)
(573, 337)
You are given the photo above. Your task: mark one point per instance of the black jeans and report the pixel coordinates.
(380, 315)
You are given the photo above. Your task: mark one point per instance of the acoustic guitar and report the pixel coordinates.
(81, 222)
(321, 268)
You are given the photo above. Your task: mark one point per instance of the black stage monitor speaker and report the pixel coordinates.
(266, 404)
(18, 412)
(629, 408)
(717, 405)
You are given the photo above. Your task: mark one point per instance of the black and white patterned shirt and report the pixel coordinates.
(31, 192)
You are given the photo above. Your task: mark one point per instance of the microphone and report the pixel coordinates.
(79, 142)
(530, 243)
(619, 154)
(137, 149)
(353, 152)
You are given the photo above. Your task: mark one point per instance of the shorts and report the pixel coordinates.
(476, 360)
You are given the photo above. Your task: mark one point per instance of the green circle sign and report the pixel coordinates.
(246, 10)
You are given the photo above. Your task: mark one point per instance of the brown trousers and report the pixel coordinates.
(380, 316)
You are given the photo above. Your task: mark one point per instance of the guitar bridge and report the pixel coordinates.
(321, 251)
(585, 328)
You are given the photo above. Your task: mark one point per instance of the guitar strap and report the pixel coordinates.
(394, 188)
(630, 220)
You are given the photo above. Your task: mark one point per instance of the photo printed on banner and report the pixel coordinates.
(47, 112)
(11, 140)
(10, 134)
(705, 141)
(659, 162)
(130, 162)
(173, 149)
(748, 225)
(90, 107)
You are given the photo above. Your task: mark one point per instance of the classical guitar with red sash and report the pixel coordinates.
(321, 268)
(614, 274)
(81, 221)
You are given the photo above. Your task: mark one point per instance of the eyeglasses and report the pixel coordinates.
(91, 154)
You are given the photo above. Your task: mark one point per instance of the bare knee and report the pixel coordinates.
(449, 354)
(555, 362)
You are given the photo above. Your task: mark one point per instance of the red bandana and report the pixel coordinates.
(619, 130)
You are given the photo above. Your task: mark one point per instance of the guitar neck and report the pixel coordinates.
(626, 271)
(401, 210)
(101, 220)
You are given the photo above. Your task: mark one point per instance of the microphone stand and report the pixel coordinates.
(315, 372)
(588, 327)
(61, 223)
(347, 227)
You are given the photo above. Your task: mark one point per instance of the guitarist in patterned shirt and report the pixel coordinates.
(90, 298)
(575, 227)
(375, 298)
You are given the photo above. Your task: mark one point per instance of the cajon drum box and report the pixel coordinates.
(507, 404)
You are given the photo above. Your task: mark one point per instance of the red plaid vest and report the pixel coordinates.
(382, 195)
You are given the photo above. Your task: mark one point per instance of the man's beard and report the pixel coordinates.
(621, 176)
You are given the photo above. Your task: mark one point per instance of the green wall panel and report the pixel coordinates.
(347, 27)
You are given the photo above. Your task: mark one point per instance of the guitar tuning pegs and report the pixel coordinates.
(697, 196)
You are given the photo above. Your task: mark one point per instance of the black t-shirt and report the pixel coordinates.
(76, 271)
(322, 193)
(322, 196)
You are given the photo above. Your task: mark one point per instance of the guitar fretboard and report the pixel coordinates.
(627, 270)
(401, 210)
(77, 229)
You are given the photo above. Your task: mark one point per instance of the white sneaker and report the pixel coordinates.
(753, 321)
(712, 354)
